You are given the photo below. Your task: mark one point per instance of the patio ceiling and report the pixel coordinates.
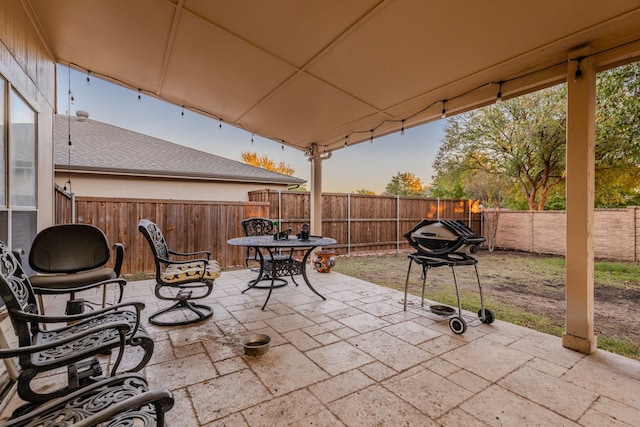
(303, 72)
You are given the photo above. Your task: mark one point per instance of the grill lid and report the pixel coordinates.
(443, 237)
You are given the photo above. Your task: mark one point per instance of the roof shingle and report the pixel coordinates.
(100, 147)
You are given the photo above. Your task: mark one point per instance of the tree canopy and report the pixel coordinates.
(513, 153)
(266, 162)
(405, 184)
(520, 142)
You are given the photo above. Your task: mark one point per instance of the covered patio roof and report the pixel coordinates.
(333, 72)
(321, 75)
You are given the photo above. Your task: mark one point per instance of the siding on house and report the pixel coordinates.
(109, 161)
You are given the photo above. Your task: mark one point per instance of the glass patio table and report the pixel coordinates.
(275, 267)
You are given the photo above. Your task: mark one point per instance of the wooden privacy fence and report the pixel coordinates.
(360, 223)
(186, 225)
(364, 223)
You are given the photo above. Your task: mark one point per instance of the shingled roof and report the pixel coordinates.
(103, 148)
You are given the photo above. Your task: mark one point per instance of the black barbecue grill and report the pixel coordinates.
(440, 243)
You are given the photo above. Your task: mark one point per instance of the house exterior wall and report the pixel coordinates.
(27, 65)
(115, 186)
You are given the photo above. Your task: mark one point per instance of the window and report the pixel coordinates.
(22, 152)
(18, 169)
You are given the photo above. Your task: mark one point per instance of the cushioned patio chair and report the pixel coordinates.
(180, 277)
(74, 346)
(71, 258)
(123, 400)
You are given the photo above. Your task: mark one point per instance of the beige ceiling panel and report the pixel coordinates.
(119, 38)
(411, 47)
(217, 72)
(304, 109)
(293, 30)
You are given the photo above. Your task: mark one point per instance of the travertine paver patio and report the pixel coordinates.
(357, 359)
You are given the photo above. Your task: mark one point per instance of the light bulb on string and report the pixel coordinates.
(182, 113)
(88, 77)
(499, 95)
(220, 124)
(139, 95)
(346, 140)
(577, 77)
(444, 110)
(282, 147)
(371, 137)
(251, 139)
(325, 149)
(72, 99)
(402, 128)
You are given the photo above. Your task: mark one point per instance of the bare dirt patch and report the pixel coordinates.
(531, 282)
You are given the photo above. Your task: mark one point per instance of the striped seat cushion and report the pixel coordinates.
(181, 272)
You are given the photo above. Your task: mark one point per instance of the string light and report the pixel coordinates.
(139, 96)
(251, 139)
(220, 125)
(443, 115)
(282, 147)
(182, 113)
(371, 137)
(325, 149)
(577, 77)
(88, 77)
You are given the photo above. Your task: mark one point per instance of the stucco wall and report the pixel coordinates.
(158, 188)
(616, 232)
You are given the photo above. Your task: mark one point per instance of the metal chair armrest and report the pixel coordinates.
(207, 253)
(119, 249)
(161, 399)
(121, 327)
(139, 306)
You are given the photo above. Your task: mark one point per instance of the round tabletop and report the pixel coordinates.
(291, 242)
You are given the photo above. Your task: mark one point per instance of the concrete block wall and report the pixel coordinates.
(616, 232)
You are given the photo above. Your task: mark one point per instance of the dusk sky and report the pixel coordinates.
(366, 165)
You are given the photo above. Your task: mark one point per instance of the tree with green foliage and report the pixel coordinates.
(523, 141)
(405, 184)
(618, 137)
(365, 191)
(520, 142)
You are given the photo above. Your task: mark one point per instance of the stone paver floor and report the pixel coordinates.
(357, 359)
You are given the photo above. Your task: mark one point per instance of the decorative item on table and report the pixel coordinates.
(324, 260)
(280, 235)
(304, 232)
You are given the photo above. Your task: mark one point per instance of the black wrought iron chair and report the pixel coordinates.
(286, 265)
(74, 347)
(181, 277)
(72, 258)
(123, 400)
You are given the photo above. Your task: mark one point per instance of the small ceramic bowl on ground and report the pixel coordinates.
(256, 344)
